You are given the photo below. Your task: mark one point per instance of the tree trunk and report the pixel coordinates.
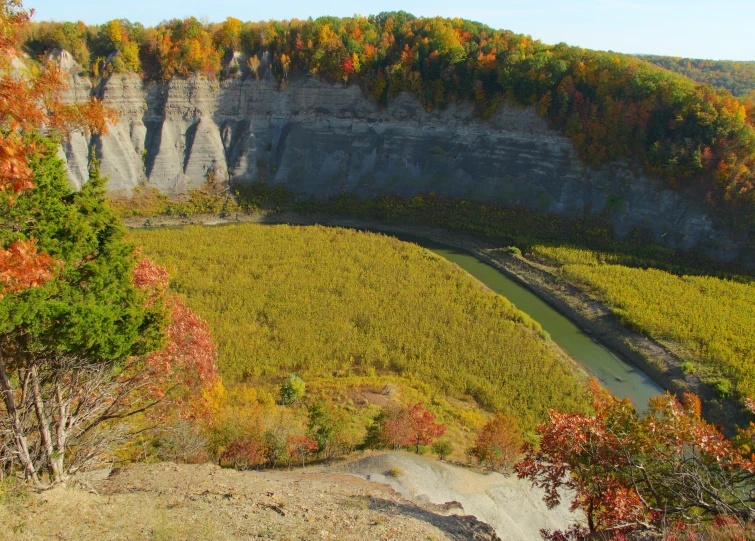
(44, 426)
(10, 406)
(61, 429)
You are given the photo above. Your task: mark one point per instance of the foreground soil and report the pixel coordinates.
(171, 502)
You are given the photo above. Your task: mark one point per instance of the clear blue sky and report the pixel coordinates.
(690, 28)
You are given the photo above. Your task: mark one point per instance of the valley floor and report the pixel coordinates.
(426, 500)
(657, 360)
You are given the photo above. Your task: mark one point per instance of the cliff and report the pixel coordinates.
(322, 140)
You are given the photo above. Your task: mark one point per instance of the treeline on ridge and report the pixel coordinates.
(736, 77)
(611, 106)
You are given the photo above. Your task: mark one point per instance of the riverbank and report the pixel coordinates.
(591, 315)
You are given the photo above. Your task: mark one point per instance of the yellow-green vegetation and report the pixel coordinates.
(336, 303)
(711, 320)
(146, 202)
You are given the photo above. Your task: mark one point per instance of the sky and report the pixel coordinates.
(723, 30)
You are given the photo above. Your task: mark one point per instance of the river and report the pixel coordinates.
(619, 376)
(616, 374)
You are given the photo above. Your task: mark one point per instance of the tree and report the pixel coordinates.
(443, 447)
(292, 389)
(639, 474)
(403, 427)
(30, 101)
(285, 64)
(300, 447)
(100, 341)
(499, 443)
(325, 427)
(254, 65)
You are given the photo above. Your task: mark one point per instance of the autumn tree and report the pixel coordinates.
(300, 447)
(499, 443)
(99, 342)
(285, 61)
(254, 65)
(74, 349)
(410, 426)
(29, 101)
(640, 474)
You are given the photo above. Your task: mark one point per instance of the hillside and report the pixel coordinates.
(395, 104)
(172, 502)
(736, 77)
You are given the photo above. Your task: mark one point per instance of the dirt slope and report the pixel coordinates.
(168, 501)
(511, 506)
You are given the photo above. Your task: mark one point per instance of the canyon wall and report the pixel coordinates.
(321, 140)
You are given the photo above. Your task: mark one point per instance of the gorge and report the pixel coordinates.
(323, 139)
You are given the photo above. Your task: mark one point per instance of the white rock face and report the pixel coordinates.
(323, 139)
(63, 60)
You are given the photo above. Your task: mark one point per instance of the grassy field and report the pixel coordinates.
(342, 304)
(709, 320)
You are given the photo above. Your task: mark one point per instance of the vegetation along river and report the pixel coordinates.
(616, 374)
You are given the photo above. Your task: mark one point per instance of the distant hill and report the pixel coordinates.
(736, 77)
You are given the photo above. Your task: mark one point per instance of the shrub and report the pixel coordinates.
(395, 472)
(688, 368)
(245, 453)
(722, 387)
(183, 442)
(292, 389)
(443, 447)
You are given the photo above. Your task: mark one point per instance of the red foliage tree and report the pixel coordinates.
(188, 359)
(423, 428)
(245, 453)
(347, 65)
(300, 447)
(21, 266)
(403, 427)
(499, 443)
(633, 474)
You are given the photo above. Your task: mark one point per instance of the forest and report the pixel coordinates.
(272, 346)
(613, 107)
(736, 77)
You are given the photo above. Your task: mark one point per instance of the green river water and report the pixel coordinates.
(616, 374)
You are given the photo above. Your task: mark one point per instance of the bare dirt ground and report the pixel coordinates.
(369, 496)
(171, 502)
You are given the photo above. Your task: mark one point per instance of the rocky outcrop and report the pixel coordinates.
(322, 139)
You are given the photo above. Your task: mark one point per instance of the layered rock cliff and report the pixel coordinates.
(322, 139)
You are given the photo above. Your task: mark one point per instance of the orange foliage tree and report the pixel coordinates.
(640, 474)
(28, 102)
(499, 443)
(404, 427)
(300, 447)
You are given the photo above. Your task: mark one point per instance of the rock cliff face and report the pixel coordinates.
(322, 140)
